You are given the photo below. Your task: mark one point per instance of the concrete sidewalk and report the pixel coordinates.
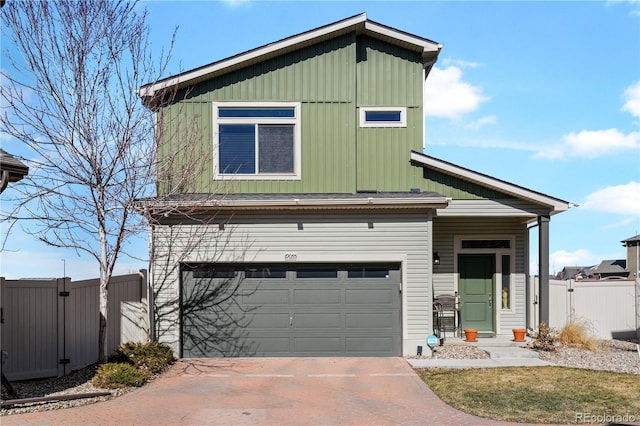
(476, 363)
(502, 354)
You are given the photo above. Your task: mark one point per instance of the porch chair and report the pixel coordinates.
(447, 310)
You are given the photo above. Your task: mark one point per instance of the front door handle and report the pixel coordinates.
(290, 321)
(490, 303)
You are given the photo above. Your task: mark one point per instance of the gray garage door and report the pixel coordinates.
(291, 310)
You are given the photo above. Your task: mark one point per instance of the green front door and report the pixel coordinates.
(475, 288)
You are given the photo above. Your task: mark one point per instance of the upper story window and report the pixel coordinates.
(383, 117)
(257, 140)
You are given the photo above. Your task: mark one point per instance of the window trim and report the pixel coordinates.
(401, 123)
(295, 121)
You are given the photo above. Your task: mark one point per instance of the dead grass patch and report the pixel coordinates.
(536, 394)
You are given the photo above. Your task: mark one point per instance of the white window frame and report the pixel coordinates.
(296, 120)
(401, 123)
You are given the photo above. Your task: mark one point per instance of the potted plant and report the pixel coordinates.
(471, 334)
(519, 334)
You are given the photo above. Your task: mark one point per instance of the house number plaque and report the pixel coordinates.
(290, 257)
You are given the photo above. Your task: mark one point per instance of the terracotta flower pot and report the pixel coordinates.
(519, 334)
(471, 334)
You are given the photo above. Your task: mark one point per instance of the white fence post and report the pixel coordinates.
(638, 308)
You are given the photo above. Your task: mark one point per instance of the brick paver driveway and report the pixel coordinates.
(271, 391)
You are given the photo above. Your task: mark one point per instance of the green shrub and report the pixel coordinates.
(152, 357)
(545, 339)
(118, 375)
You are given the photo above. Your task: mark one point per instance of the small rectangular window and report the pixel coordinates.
(213, 272)
(383, 117)
(486, 244)
(231, 112)
(368, 272)
(270, 272)
(389, 116)
(317, 272)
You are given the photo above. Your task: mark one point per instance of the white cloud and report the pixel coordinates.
(632, 3)
(460, 63)
(618, 199)
(632, 100)
(447, 95)
(481, 122)
(236, 3)
(581, 257)
(592, 144)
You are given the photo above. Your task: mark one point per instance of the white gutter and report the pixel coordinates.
(297, 203)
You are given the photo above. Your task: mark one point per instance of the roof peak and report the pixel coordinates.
(358, 23)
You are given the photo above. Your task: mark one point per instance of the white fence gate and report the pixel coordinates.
(611, 307)
(51, 327)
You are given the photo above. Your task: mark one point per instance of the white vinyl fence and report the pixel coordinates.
(610, 307)
(51, 327)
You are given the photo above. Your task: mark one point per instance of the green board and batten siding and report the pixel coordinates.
(388, 76)
(331, 79)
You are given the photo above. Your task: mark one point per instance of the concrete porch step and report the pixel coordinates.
(508, 352)
(488, 342)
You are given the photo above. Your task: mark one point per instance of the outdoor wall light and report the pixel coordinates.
(436, 258)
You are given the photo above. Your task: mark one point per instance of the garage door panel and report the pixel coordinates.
(314, 345)
(271, 346)
(367, 296)
(321, 296)
(267, 297)
(317, 321)
(363, 346)
(269, 320)
(370, 320)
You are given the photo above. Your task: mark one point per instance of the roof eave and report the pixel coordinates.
(298, 204)
(555, 205)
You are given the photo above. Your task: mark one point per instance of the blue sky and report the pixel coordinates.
(545, 95)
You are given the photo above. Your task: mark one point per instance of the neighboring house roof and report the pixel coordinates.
(569, 272)
(610, 267)
(629, 242)
(556, 205)
(11, 169)
(358, 23)
(380, 200)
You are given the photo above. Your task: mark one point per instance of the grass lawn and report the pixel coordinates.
(539, 394)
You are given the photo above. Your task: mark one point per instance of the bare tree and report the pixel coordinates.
(203, 253)
(69, 95)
